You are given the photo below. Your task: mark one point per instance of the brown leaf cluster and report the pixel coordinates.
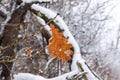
(29, 51)
(58, 45)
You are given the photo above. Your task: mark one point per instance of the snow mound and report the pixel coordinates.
(27, 76)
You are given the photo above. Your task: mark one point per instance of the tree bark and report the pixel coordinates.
(10, 37)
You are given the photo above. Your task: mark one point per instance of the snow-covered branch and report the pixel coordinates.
(30, 1)
(77, 56)
(28, 76)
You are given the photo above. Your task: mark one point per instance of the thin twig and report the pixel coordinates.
(93, 72)
(12, 24)
(82, 70)
(48, 63)
(53, 19)
(6, 66)
(3, 61)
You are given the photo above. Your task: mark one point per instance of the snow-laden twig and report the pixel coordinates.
(16, 57)
(77, 56)
(40, 22)
(48, 63)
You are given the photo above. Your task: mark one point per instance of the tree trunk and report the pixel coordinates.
(9, 39)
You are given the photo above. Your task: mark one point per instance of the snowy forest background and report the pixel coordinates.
(93, 23)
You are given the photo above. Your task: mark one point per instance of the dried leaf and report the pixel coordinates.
(29, 51)
(58, 45)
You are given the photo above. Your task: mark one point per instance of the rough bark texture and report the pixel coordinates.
(10, 37)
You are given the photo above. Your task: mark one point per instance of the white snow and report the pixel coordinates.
(55, 0)
(29, 76)
(109, 45)
(29, 1)
(77, 55)
(42, 22)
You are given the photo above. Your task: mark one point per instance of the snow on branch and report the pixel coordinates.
(67, 76)
(30, 1)
(76, 56)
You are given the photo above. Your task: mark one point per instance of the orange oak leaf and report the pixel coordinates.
(59, 46)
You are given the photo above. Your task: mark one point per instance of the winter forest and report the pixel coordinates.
(59, 40)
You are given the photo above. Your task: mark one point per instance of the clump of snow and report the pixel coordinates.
(27, 76)
(29, 1)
